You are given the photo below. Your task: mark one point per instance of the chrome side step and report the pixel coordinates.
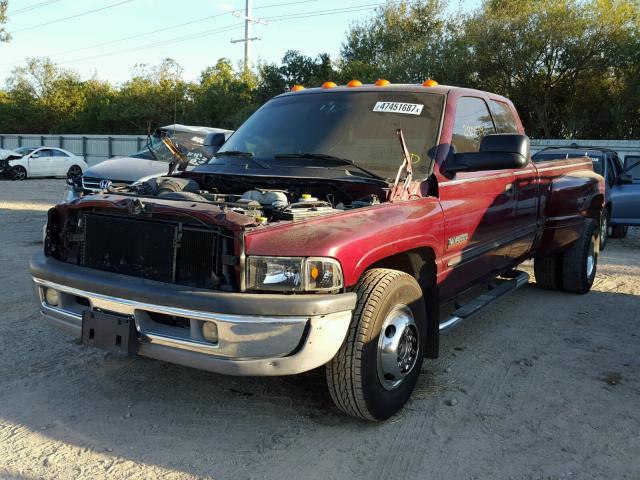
(515, 279)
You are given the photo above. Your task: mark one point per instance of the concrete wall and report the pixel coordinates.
(623, 147)
(95, 148)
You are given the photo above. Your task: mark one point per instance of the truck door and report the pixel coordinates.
(40, 163)
(526, 184)
(479, 207)
(625, 194)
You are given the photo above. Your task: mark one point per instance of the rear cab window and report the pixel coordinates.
(503, 117)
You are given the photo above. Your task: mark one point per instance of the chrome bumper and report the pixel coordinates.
(248, 344)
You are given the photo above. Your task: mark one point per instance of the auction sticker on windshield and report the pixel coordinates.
(398, 107)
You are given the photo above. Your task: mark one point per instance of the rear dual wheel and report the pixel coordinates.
(574, 270)
(377, 367)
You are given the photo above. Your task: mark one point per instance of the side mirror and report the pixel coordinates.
(497, 152)
(35, 155)
(625, 178)
(215, 140)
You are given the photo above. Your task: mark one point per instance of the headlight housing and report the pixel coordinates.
(293, 274)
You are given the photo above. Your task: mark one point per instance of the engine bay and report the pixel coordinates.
(264, 200)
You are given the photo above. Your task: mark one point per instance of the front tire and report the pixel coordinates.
(619, 231)
(377, 367)
(581, 260)
(74, 172)
(19, 173)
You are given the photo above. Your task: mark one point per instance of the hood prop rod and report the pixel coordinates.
(402, 192)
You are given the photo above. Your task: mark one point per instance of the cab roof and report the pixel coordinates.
(394, 87)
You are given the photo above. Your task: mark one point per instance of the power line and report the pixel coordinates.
(31, 7)
(227, 28)
(70, 17)
(158, 44)
(171, 27)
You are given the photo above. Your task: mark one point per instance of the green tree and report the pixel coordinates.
(544, 55)
(4, 36)
(403, 42)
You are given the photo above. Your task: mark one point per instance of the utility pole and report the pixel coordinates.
(248, 21)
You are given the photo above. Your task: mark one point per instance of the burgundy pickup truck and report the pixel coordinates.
(343, 227)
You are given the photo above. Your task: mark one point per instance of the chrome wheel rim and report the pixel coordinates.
(604, 228)
(592, 255)
(398, 347)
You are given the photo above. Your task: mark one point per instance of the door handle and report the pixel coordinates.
(508, 189)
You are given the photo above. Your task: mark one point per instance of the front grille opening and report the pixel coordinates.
(166, 251)
(170, 320)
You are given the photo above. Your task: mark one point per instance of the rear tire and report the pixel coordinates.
(581, 260)
(18, 173)
(374, 372)
(619, 231)
(548, 271)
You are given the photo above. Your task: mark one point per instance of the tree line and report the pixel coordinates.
(571, 67)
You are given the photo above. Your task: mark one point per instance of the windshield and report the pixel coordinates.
(189, 143)
(597, 160)
(24, 150)
(357, 126)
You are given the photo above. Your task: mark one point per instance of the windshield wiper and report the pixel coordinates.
(324, 156)
(241, 154)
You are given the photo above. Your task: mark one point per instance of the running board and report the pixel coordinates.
(516, 279)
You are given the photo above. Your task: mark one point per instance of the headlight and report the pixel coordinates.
(293, 274)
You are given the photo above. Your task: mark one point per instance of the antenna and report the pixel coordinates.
(248, 21)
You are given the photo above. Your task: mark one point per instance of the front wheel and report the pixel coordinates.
(377, 367)
(74, 172)
(619, 231)
(581, 260)
(18, 173)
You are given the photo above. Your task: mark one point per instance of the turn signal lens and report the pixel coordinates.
(297, 88)
(329, 85)
(210, 332)
(381, 82)
(354, 83)
(430, 83)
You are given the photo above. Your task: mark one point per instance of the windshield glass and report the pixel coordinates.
(358, 126)
(191, 144)
(24, 150)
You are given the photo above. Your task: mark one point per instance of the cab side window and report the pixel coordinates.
(611, 172)
(472, 122)
(503, 117)
(45, 152)
(58, 153)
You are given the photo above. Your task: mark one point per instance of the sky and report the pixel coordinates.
(195, 33)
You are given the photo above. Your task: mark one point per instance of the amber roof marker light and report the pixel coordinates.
(329, 85)
(430, 83)
(381, 82)
(354, 83)
(297, 88)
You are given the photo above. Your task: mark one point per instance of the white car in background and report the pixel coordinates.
(30, 162)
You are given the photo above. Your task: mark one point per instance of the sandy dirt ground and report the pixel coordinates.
(540, 386)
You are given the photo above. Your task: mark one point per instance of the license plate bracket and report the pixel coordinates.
(113, 333)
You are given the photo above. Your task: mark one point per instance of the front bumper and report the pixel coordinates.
(258, 334)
